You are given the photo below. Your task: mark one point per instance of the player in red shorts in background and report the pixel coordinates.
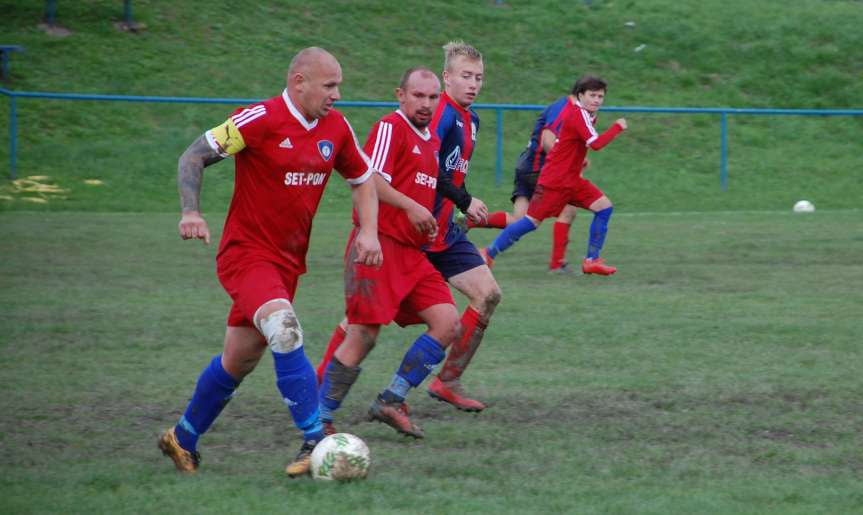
(451, 253)
(560, 181)
(284, 150)
(406, 289)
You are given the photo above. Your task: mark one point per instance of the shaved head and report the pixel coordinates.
(314, 76)
(309, 57)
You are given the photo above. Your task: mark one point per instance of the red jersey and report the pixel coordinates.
(282, 164)
(408, 159)
(562, 167)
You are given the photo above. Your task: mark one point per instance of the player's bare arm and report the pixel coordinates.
(421, 218)
(547, 139)
(367, 245)
(190, 176)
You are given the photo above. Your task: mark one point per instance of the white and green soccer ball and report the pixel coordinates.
(342, 457)
(804, 206)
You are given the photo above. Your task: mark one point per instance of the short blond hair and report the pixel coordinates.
(458, 48)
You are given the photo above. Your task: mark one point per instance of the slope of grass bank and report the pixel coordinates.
(801, 54)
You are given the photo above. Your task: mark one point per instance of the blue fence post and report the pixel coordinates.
(50, 16)
(13, 134)
(723, 158)
(498, 172)
(127, 12)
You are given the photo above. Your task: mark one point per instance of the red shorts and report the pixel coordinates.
(548, 202)
(251, 286)
(404, 285)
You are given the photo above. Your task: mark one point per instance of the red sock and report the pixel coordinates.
(496, 220)
(461, 352)
(558, 247)
(335, 342)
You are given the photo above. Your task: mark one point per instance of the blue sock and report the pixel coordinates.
(510, 235)
(418, 363)
(598, 230)
(298, 385)
(214, 389)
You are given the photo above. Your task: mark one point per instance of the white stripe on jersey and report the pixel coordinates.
(248, 112)
(589, 123)
(364, 177)
(382, 145)
(247, 115)
(250, 118)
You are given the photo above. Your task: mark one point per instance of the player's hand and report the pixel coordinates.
(585, 164)
(477, 211)
(622, 123)
(193, 226)
(422, 220)
(368, 249)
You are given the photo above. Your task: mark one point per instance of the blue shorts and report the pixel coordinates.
(524, 183)
(460, 257)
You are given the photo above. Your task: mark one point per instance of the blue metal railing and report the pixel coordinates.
(723, 112)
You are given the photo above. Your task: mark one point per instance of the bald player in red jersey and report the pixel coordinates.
(451, 253)
(560, 180)
(407, 289)
(284, 151)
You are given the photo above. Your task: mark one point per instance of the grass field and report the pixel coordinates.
(717, 372)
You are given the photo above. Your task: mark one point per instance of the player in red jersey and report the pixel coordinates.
(542, 139)
(451, 253)
(407, 288)
(284, 150)
(560, 181)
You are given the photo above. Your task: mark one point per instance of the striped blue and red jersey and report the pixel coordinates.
(550, 119)
(456, 127)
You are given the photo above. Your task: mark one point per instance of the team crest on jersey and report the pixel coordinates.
(325, 147)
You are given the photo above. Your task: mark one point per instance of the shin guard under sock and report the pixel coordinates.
(598, 230)
(214, 389)
(417, 364)
(558, 246)
(510, 235)
(296, 381)
(465, 347)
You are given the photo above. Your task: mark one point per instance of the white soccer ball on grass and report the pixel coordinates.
(341, 457)
(804, 206)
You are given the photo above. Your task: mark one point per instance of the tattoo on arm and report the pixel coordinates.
(190, 172)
